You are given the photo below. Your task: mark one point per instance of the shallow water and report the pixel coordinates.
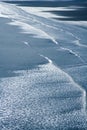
(43, 69)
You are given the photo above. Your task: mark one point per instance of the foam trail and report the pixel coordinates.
(77, 42)
(39, 33)
(26, 43)
(74, 53)
(49, 60)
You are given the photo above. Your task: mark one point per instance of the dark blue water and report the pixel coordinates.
(76, 15)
